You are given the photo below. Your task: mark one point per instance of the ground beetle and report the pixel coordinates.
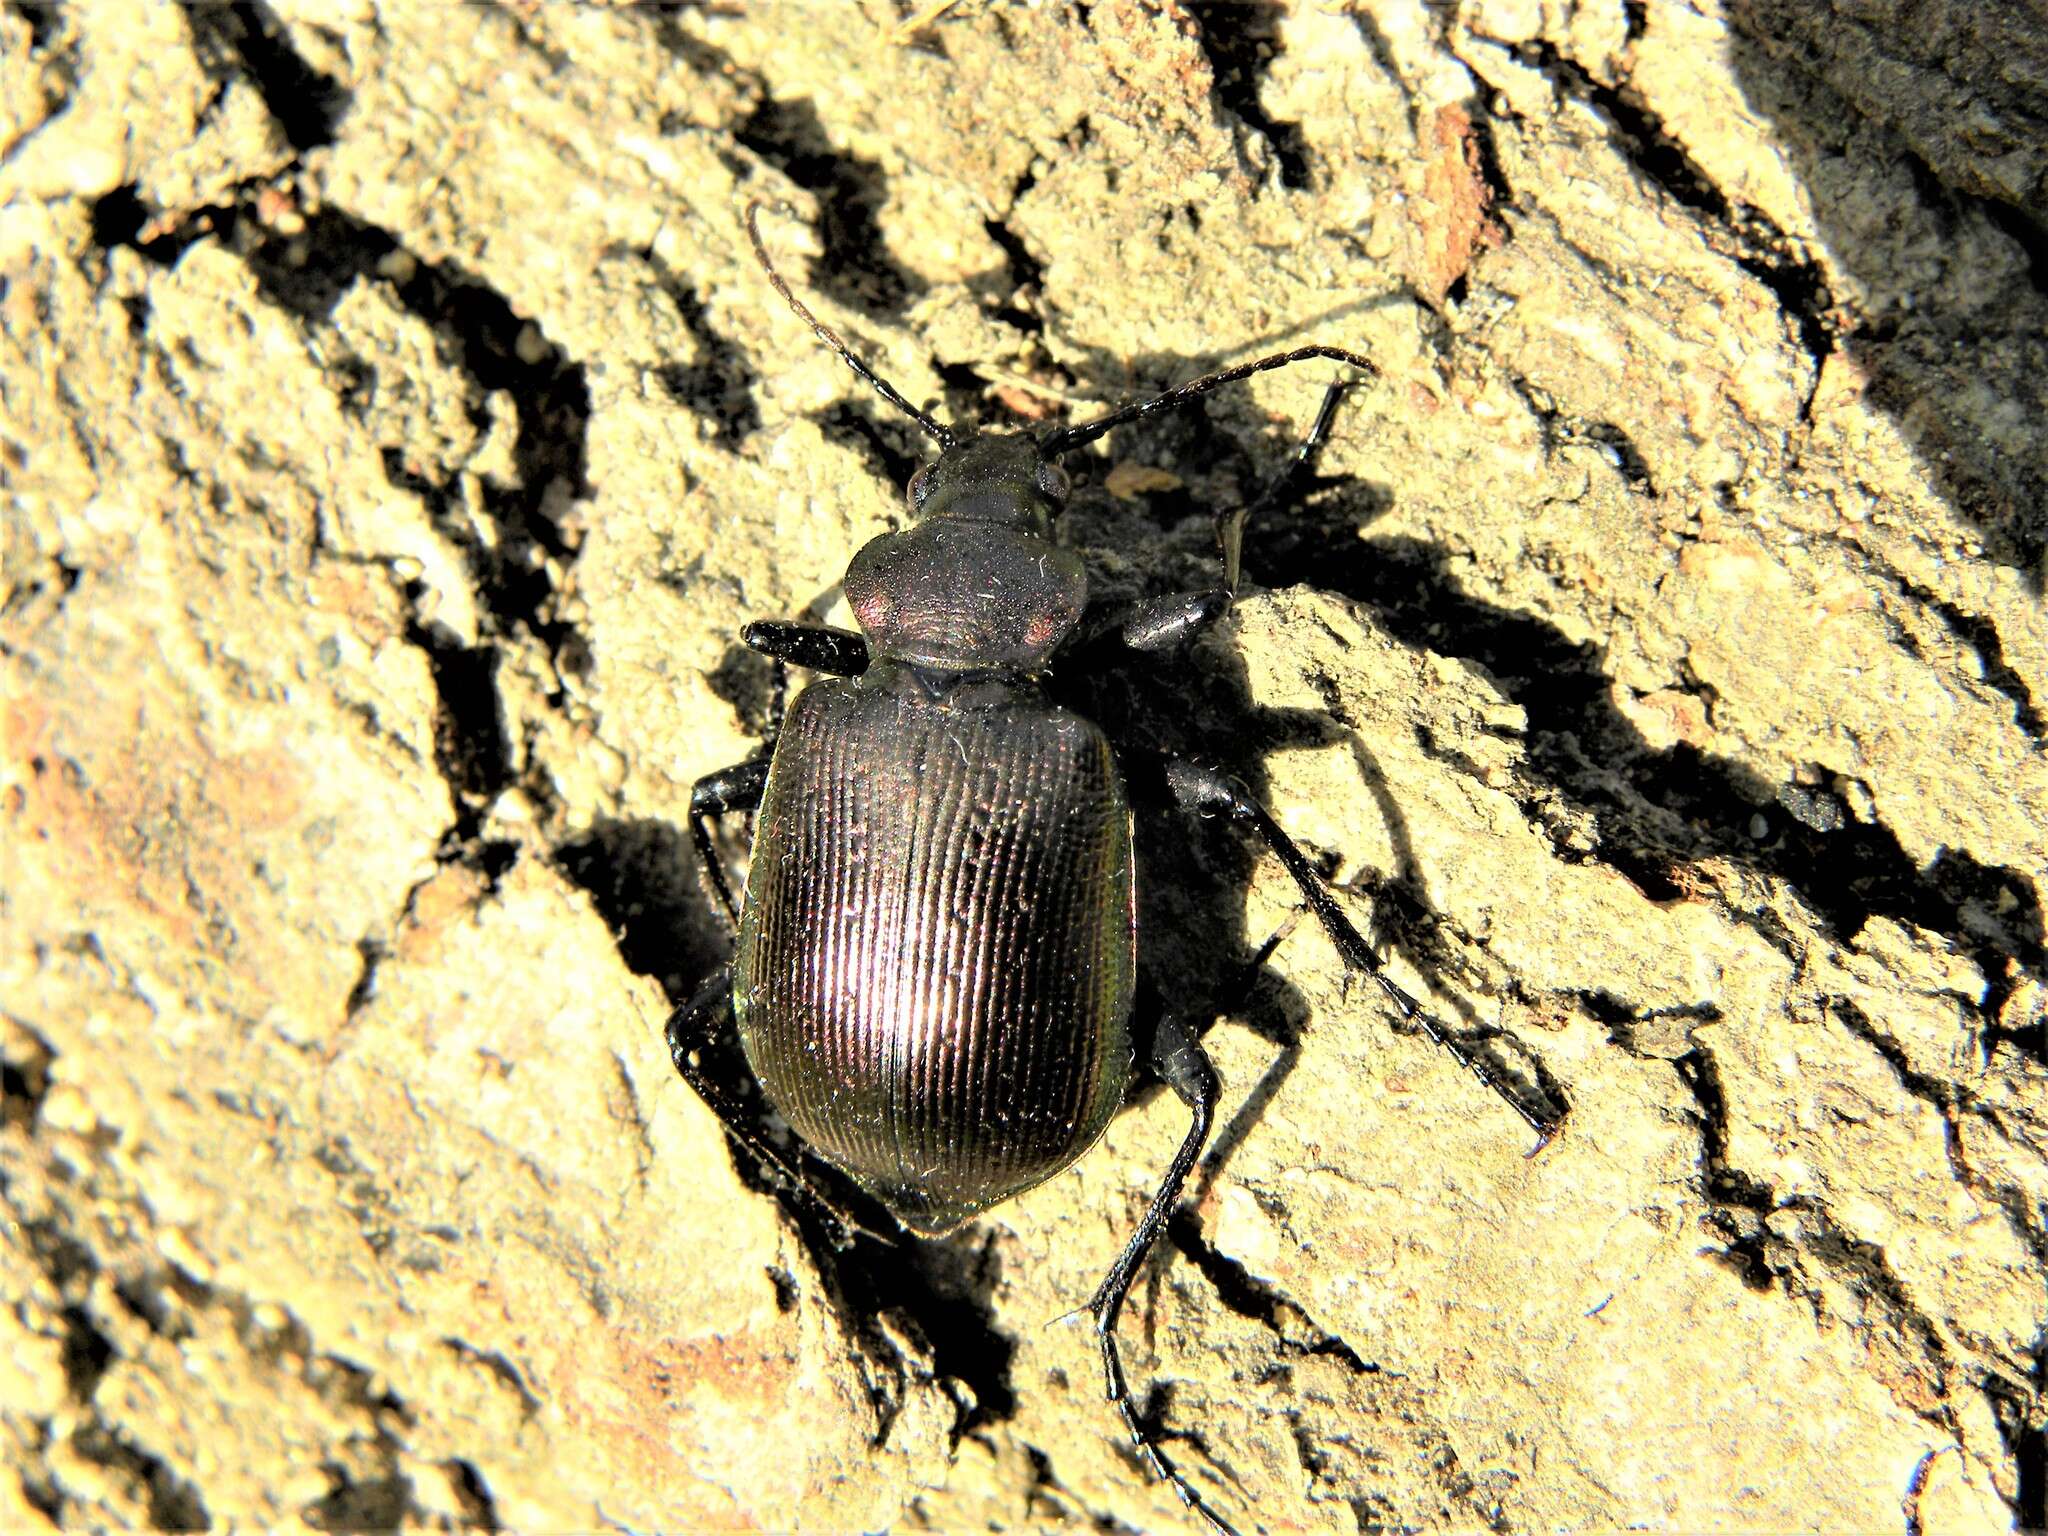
(935, 978)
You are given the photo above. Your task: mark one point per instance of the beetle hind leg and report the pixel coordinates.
(1180, 1060)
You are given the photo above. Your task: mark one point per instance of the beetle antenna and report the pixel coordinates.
(830, 337)
(1065, 439)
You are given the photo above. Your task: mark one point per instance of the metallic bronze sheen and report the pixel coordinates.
(937, 954)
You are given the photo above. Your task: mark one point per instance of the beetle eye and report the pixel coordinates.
(1053, 484)
(920, 487)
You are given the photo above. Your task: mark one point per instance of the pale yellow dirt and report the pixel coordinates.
(395, 432)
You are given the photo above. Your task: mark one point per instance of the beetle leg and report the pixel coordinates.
(691, 1029)
(1230, 525)
(1181, 1062)
(1206, 791)
(738, 788)
(1152, 623)
(1165, 623)
(813, 646)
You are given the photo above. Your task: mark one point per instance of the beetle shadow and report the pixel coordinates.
(1658, 813)
(1956, 363)
(1195, 947)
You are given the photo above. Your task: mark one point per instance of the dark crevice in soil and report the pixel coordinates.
(1249, 1297)
(1741, 1205)
(308, 273)
(515, 571)
(43, 18)
(1638, 1031)
(1500, 192)
(2028, 1443)
(1381, 47)
(855, 268)
(471, 747)
(1748, 237)
(42, 1494)
(1982, 637)
(173, 1503)
(699, 56)
(2030, 237)
(1868, 1271)
(370, 954)
(67, 1263)
(85, 1355)
(119, 217)
(1017, 304)
(502, 1370)
(247, 39)
(1951, 1101)
(1932, 1091)
(25, 1077)
(479, 1508)
(1725, 1184)
(1240, 38)
(719, 386)
(1049, 1498)
(499, 351)
(362, 1504)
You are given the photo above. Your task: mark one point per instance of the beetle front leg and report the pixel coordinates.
(1206, 792)
(1155, 624)
(1151, 624)
(693, 1028)
(738, 788)
(1179, 1060)
(815, 647)
(1230, 525)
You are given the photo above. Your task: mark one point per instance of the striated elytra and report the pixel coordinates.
(935, 973)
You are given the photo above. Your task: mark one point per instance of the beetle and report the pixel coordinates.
(935, 969)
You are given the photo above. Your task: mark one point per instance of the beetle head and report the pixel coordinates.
(994, 477)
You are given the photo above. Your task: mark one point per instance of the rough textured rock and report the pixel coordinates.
(395, 432)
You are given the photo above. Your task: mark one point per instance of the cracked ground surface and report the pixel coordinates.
(395, 435)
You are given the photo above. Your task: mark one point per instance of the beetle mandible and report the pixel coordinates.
(935, 970)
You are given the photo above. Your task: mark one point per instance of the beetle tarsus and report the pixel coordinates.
(1179, 1060)
(1230, 526)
